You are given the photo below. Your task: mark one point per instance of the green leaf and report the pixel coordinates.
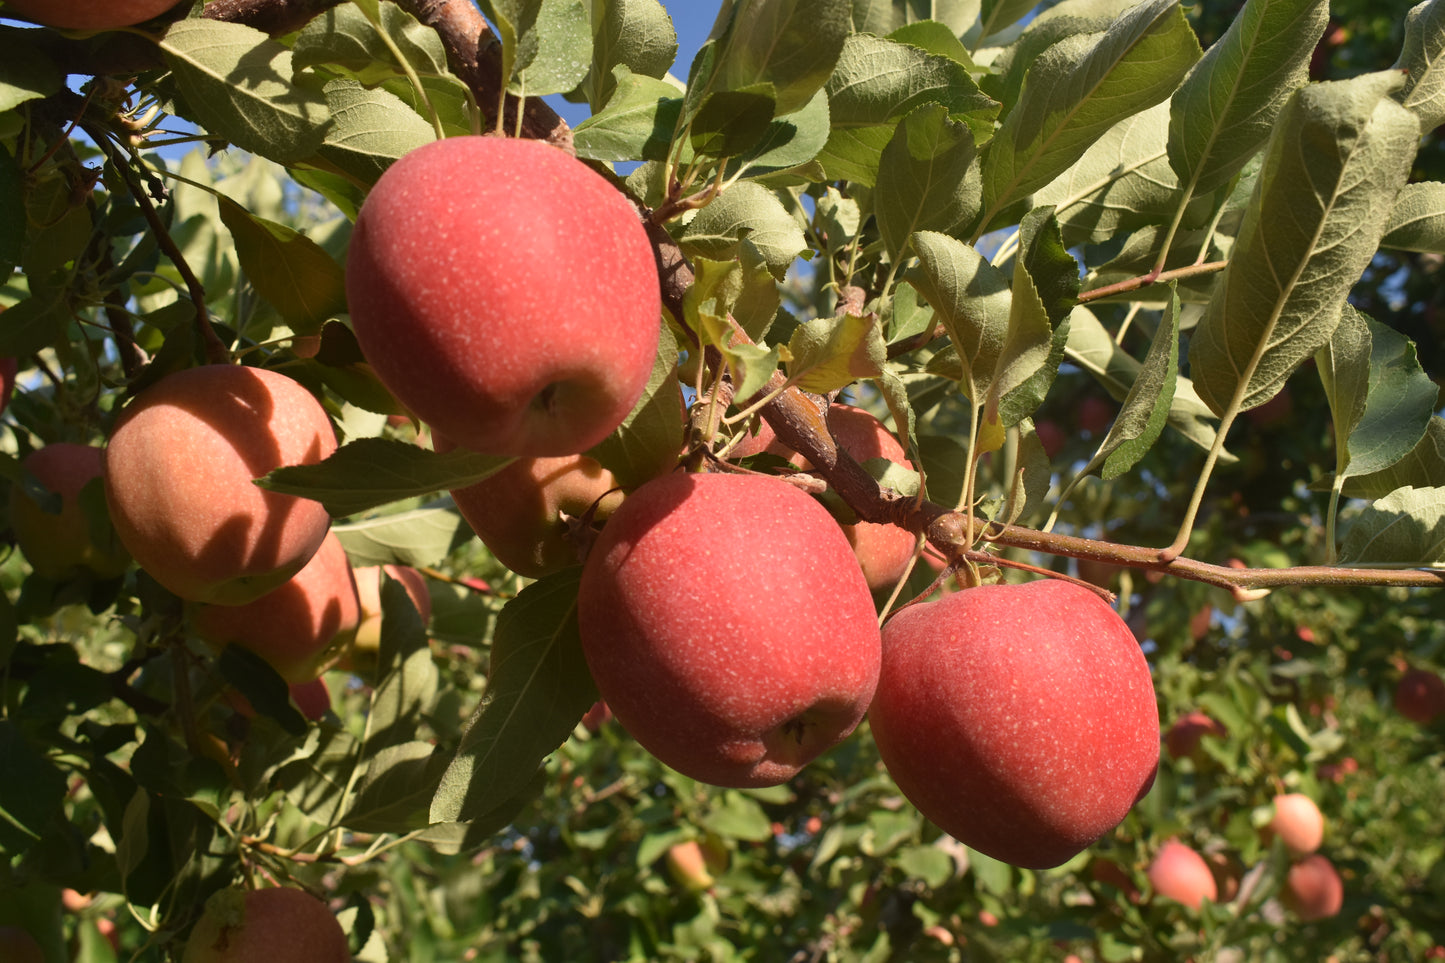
(1044, 289)
(1122, 182)
(637, 122)
(26, 73)
(31, 793)
(878, 81)
(1420, 59)
(262, 686)
(637, 35)
(537, 689)
(995, 15)
(735, 816)
(1069, 17)
(12, 214)
(370, 130)
(937, 38)
(789, 45)
(1314, 223)
(1423, 467)
(1400, 402)
(746, 211)
(1078, 89)
(239, 85)
(419, 538)
(37, 322)
(370, 472)
(395, 792)
(972, 300)
(1343, 364)
(646, 444)
(295, 274)
(1146, 408)
(832, 353)
(788, 142)
(347, 37)
(928, 864)
(1417, 222)
(1406, 527)
(1225, 109)
(928, 178)
(562, 37)
(853, 153)
(1093, 348)
(728, 122)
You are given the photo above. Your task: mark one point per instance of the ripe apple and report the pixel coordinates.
(89, 14)
(596, 717)
(279, 925)
(179, 470)
(518, 512)
(1179, 873)
(18, 946)
(298, 626)
(361, 654)
(506, 294)
(1420, 696)
(883, 550)
(1188, 732)
(1018, 718)
(1298, 823)
(728, 627)
(64, 544)
(1313, 889)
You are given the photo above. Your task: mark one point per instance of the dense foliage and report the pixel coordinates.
(1063, 249)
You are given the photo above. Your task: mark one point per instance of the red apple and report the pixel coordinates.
(9, 369)
(596, 717)
(1095, 415)
(312, 698)
(179, 474)
(1018, 718)
(66, 543)
(1420, 696)
(89, 14)
(1179, 873)
(518, 513)
(18, 946)
(1313, 889)
(1298, 823)
(1051, 436)
(728, 627)
(687, 866)
(1188, 732)
(883, 550)
(298, 626)
(280, 925)
(506, 294)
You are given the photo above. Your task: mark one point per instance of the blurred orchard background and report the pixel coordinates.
(620, 858)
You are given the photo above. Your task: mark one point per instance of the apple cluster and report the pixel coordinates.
(508, 296)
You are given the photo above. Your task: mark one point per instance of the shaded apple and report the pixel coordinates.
(312, 698)
(179, 473)
(278, 925)
(89, 14)
(1181, 874)
(1020, 719)
(521, 512)
(1297, 822)
(62, 544)
(461, 304)
(297, 627)
(361, 654)
(728, 626)
(9, 370)
(1313, 889)
(1186, 735)
(1420, 696)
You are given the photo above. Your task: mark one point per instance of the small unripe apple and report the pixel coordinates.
(361, 654)
(687, 866)
(518, 512)
(728, 626)
(63, 544)
(1298, 823)
(506, 294)
(1020, 719)
(18, 946)
(1181, 874)
(298, 626)
(89, 14)
(179, 473)
(1187, 734)
(883, 550)
(1420, 696)
(279, 925)
(1313, 889)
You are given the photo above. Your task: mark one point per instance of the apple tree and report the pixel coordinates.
(869, 307)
